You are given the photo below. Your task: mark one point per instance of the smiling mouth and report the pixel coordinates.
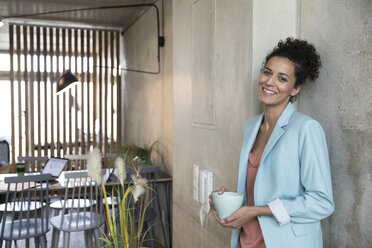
(268, 91)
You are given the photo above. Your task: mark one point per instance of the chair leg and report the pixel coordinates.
(8, 244)
(55, 238)
(43, 241)
(88, 238)
(37, 243)
(66, 239)
(97, 238)
(27, 243)
(161, 218)
(151, 233)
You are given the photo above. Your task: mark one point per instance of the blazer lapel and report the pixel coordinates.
(249, 138)
(278, 129)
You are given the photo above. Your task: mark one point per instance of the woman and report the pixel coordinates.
(284, 169)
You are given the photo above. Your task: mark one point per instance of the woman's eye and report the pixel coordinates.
(266, 72)
(283, 79)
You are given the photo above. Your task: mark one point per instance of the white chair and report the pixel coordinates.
(77, 161)
(79, 211)
(25, 211)
(33, 164)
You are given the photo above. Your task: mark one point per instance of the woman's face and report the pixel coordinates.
(277, 82)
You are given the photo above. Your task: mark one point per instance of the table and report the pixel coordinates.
(112, 181)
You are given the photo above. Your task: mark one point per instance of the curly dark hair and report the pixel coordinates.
(302, 54)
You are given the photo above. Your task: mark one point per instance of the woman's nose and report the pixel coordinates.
(269, 80)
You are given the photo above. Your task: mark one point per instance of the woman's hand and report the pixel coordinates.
(220, 191)
(244, 214)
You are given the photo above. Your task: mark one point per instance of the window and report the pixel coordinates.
(46, 124)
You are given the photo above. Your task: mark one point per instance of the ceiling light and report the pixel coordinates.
(66, 81)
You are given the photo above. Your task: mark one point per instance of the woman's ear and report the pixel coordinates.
(296, 90)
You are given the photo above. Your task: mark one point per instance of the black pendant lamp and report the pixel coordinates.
(66, 81)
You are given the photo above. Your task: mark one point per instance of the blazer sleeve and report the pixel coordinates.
(316, 202)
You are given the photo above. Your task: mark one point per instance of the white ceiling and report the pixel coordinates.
(120, 18)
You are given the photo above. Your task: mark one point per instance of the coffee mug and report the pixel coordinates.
(20, 169)
(227, 203)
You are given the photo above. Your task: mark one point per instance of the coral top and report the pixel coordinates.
(250, 234)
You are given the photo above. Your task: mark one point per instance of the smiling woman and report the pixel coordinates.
(284, 169)
(277, 82)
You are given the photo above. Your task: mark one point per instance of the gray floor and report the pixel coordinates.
(76, 241)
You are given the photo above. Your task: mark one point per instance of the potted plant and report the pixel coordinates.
(123, 232)
(144, 153)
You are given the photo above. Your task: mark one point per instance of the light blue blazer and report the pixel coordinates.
(294, 168)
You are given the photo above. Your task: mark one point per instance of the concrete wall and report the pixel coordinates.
(341, 100)
(272, 21)
(214, 145)
(147, 98)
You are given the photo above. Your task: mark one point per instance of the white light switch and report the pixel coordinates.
(209, 187)
(203, 187)
(195, 183)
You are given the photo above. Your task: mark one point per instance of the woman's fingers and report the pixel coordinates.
(221, 190)
(211, 200)
(241, 216)
(218, 220)
(226, 223)
(231, 222)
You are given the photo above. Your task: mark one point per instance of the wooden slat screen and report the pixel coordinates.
(88, 115)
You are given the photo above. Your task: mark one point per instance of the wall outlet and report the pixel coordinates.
(195, 183)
